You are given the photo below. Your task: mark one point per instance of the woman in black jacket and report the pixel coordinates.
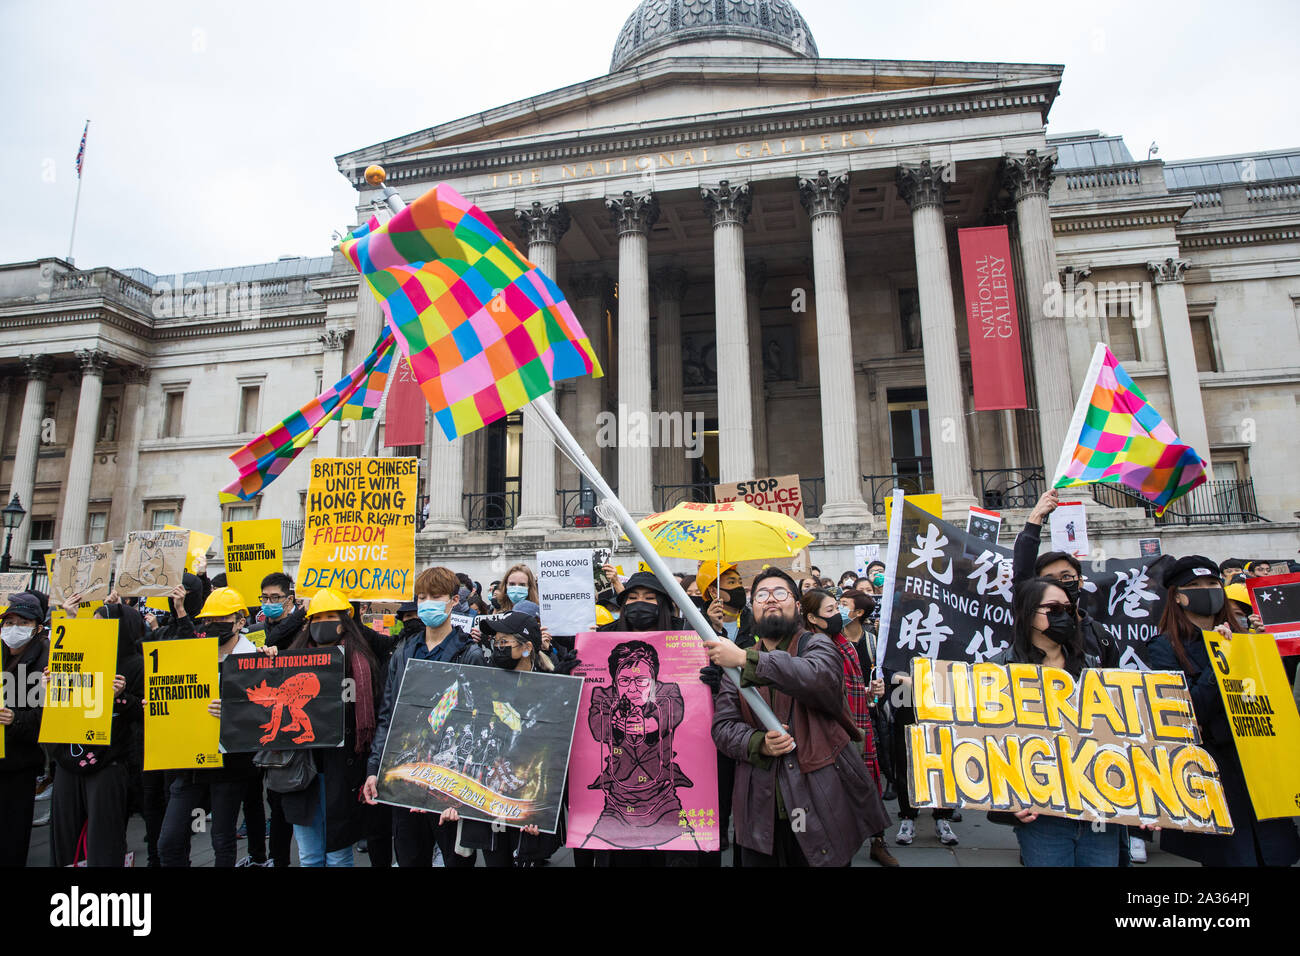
(1196, 603)
(327, 815)
(24, 655)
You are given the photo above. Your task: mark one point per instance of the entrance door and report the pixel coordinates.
(909, 439)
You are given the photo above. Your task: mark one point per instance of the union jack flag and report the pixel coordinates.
(81, 152)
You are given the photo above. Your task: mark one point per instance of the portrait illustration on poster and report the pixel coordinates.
(638, 780)
(152, 563)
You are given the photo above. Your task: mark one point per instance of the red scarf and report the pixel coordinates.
(364, 707)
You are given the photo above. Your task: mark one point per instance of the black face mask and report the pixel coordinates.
(1205, 602)
(735, 598)
(221, 630)
(326, 632)
(833, 625)
(641, 615)
(698, 601)
(503, 657)
(1061, 626)
(1071, 589)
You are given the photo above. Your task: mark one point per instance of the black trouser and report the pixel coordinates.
(377, 825)
(416, 836)
(96, 801)
(255, 818)
(17, 804)
(186, 806)
(785, 849)
(153, 807)
(281, 830)
(904, 716)
(502, 852)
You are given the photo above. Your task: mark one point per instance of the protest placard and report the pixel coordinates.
(1276, 598)
(1125, 597)
(200, 541)
(152, 563)
(783, 494)
(566, 591)
(490, 742)
(931, 504)
(643, 770)
(180, 680)
(11, 582)
(252, 551)
(83, 570)
(1070, 529)
(360, 528)
(1261, 711)
(79, 696)
(1115, 747)
(984, 524)
(1149, 547)
(863, 555)
(292, 701)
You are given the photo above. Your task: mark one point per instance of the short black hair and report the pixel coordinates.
(1052, 556)
(629, 653)
(278, 579)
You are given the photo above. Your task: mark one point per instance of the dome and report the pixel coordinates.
(746, 25)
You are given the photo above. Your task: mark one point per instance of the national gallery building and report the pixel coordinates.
(762, 244)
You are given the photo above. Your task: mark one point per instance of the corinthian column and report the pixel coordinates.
(81, 459)
(728, 208)
(823, 198)
(1029, 177)
(669, 288)
(590, 291)
(923, 189)
(542, 225)
(38, 369)
(633, 217)
(755, 279)
(1180, 354)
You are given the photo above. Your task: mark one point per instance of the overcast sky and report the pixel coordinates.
(214, 125)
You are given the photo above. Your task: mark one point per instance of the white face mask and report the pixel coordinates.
(15, 635)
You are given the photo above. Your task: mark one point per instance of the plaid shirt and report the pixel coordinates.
(855, 690)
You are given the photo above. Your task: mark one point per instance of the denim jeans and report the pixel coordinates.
(311, 838)
(1053, 841)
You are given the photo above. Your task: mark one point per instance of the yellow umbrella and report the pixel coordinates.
(725, 533)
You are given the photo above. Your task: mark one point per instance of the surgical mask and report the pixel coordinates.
(1061, 626)
(735, 597)
(845, 617)
(516, 593)
(326, 632)
(1205, 602)
(16, 634)
(272, 611)
(641, 615)
(432, 613)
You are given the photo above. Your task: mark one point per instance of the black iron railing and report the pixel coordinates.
(421, 511)
(670, 496)
(1004, 488)
(291, 534)
(1214, 502)
(813, 491)
(578, 507)
(879, 487)
(491, 511)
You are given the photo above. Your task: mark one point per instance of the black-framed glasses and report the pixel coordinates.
(1056, 607)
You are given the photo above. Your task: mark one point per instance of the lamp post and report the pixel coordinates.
(13, 514)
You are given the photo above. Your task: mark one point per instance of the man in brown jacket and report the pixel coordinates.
(806, 805)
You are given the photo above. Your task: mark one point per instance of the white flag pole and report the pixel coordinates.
(76, 206)
(375, 176)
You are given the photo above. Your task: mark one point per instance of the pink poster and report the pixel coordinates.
(643, 772)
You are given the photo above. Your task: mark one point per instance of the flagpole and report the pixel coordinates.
(76, 206)
(375, 176)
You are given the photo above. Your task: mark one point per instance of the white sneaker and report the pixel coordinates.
(944, 832)
(906, 830)
(1137, 849)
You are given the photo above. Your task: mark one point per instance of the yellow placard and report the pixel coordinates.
(158, 603)
(252, 551)
(1262, 714)
(180, 679)
(199, 544)
(360, 530)
(931, 504)
(79, 696)
(85, 611)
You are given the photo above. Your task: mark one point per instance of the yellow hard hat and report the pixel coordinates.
(327, 599)
(1238, 593)
(223, 602)
(603, 616)
(708, 573)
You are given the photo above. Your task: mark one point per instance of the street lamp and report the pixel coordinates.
(13, 514)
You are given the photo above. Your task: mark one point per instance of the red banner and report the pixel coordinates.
(991, 318)
(405, 410)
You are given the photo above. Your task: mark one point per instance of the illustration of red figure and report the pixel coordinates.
(295, 693)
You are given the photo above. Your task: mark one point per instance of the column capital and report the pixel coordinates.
(543, 222)
(632, 213)
(1029, 175)
(1170, 270)
(922, 185)
(589, 285)
(37, 367)
(136, 374)
(727, 203)
(669, 283)
(755, 276)
(93, 361)
(334, 339)
(823, 194)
